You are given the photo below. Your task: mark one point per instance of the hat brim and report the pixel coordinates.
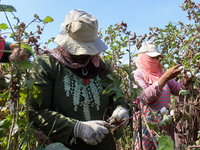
(76, 47)
(155, 54)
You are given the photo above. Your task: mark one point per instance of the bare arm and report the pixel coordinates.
(169, 74)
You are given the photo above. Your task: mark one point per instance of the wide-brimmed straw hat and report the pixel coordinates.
(150, 50)
(78, 34)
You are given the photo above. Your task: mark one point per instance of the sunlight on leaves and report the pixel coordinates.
(196, 56)
(25, 64)
(8, 8)
(48, 19)
(113, 88)
(183, 92)
(15, 129)
(3, 26)
(165, 143)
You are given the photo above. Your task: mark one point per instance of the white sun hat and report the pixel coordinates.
(78, 34)
(150, 50)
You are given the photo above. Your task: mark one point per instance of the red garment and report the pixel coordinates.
(2, 44)
(155, 99)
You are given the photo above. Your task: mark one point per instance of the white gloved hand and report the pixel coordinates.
(119, 113)
(91, 132)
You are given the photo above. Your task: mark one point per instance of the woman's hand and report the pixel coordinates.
(169, 74)
(172, 72)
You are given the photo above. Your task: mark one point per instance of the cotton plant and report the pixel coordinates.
(163, 117)
(187, 73)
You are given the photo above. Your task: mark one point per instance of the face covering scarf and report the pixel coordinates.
(92, 64)
(150, 68)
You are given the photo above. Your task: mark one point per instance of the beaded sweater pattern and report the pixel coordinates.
(90, 92)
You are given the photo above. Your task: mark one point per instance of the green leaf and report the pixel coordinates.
(8, 8)
(139, 88)
(11, 35)
(153, 125)
(6, 123)
(24, 64)
(27, 47)
(186, 117)
(114, 87)
(2, 95)
(30, 83)
(15, 129)
(118, 134)
(156, 138)
(161, 123)
(153, 114)
(48, 19)
(36, 16)
(24, 146)
(165, 143)
(3, 26)
(1, 132)
(106, 82)
(37, 95)
(183, 92)
(133, 92)
(3, 84)
(15, 71)
(196, 56)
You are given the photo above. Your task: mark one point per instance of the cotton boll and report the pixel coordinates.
(181, 67)
(164, 111)
(172, 112)
(188, 73)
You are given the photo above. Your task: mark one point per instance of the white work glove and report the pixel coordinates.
(91, 132)
(119, 113)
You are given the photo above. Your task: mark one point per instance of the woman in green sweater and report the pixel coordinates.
(73, 105)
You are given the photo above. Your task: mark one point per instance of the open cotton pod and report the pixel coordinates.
(181, 67)
(188, 74)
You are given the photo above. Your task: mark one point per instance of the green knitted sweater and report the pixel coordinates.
(66, 99)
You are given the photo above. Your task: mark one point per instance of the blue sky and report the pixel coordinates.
(138, 14)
